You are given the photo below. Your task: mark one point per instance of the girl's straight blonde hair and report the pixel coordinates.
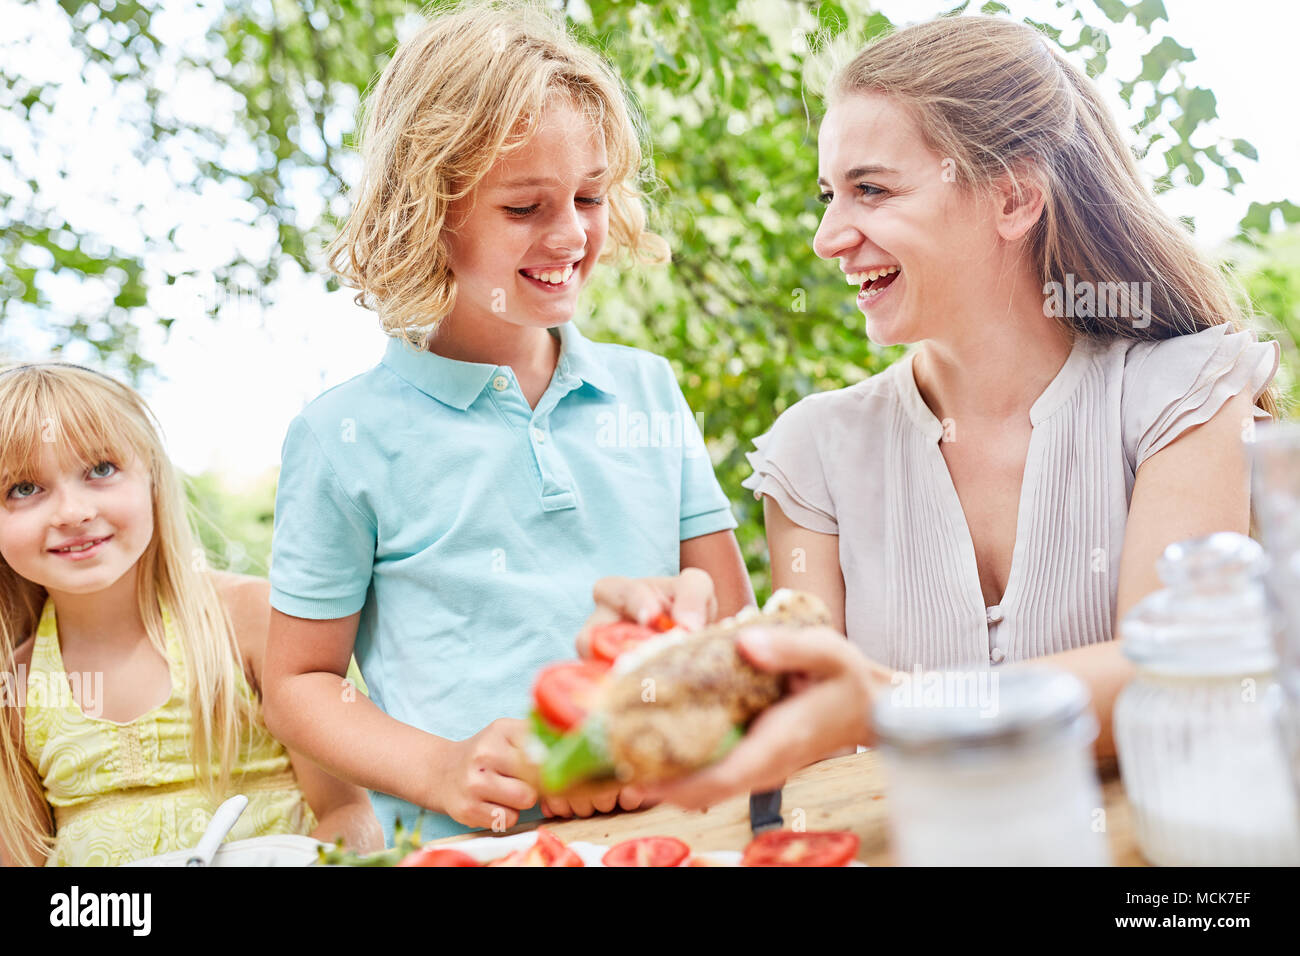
(87, 418)
(469, 87)
(999, 99)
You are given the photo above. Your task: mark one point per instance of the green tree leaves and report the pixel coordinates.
(749, 316)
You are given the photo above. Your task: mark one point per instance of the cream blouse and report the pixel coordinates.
(864, 463)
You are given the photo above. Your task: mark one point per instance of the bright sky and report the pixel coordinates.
(228, 388)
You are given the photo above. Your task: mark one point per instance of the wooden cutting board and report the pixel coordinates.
(842, 793)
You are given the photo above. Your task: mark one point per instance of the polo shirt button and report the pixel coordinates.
(998, 655)
(539, 436)
(500, 383)
(994, 613)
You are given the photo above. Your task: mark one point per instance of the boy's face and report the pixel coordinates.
(894, 203)
(540, 214)
(47, 521)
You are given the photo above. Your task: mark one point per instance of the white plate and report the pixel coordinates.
(285, 849)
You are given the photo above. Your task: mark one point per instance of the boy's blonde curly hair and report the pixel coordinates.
(468, 88)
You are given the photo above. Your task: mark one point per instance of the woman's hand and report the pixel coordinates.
(829, 709)
(688, 599)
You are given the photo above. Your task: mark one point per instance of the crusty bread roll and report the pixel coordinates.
(670, 707)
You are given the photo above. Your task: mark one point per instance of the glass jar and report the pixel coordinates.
(1197, 727)
(1275, 460)
(991, 768)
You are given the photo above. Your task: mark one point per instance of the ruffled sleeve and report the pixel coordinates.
(1174, 384)
(788, 467)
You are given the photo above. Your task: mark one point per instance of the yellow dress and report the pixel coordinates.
(122, 792)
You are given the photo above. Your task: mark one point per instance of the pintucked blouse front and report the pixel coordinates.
(864, 463)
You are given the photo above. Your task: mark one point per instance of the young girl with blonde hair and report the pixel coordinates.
(448, 513)
(131, 671)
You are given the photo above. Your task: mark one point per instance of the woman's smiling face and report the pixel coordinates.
(526, 240)
(892, 203)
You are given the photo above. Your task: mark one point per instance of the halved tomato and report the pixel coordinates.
(563, 691)
(647, 851)
(438, 856)
(610, 640)
(790, 848)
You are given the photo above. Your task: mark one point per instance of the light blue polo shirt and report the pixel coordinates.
(469, 529)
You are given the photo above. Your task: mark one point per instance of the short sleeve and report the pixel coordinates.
(788, 467)
(705, 508)
(1175, 384)
(323, 546)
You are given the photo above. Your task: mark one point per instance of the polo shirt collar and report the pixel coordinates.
(578, 359)
(451, 382)
(458, 384)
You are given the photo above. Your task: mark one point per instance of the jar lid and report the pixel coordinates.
(1212, 619)
(939, 712)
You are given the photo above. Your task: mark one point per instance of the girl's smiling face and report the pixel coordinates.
(892, 206)
(75, 528)
(525, 241)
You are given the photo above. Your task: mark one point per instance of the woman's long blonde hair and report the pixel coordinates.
(87, 418)
(998, 98)
(465, 90)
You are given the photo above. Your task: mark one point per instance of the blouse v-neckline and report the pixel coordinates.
(1053, 397)
(48, 632)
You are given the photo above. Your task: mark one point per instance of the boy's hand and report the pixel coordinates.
(586, 801)
(688, 599)
(488, 779)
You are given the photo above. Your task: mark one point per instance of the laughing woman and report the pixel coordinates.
(1075, 400)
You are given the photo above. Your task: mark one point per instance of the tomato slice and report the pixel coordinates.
(662, 622)
(553, 850)
(549, 850)
(610, 640)
(563, 692)
(647, 851)
(518, 858)
(789, 848)
(438, 856)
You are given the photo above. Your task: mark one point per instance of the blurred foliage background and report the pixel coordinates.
(750, 318)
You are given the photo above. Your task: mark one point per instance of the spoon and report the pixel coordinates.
(222, 822)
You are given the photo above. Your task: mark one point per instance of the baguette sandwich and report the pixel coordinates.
(668, 705)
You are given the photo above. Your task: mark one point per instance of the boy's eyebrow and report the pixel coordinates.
(857, 172)
(549, 180)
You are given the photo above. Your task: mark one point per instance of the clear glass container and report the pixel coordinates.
(1003, 777)
(1275, 456)
(1197, 728)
